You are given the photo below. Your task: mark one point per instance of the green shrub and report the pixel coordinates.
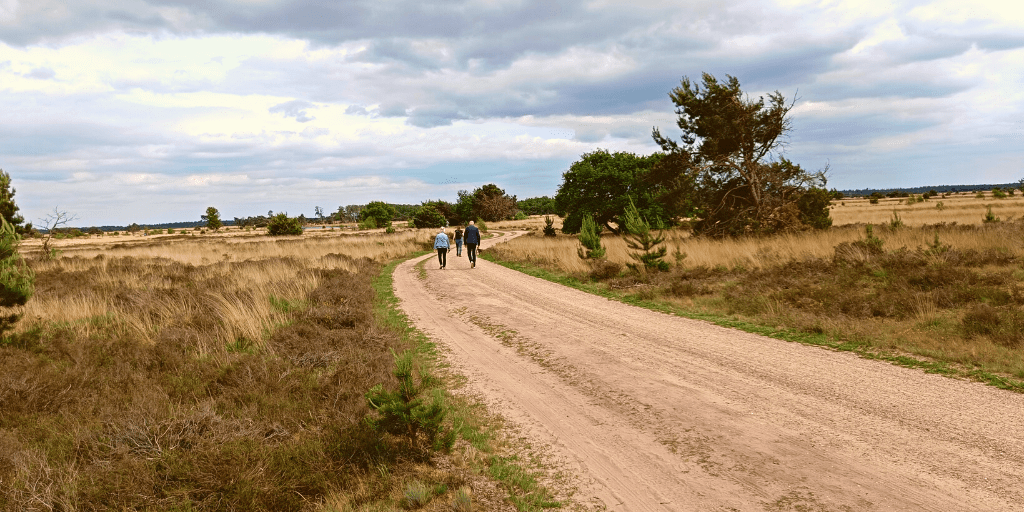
(429, 217)
(281, 225)
(989, 217)
(371, 223)
(998, 193)
(17, 280)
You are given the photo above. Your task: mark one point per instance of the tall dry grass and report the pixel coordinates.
(962, 208)
(197, 373)
(756, 253)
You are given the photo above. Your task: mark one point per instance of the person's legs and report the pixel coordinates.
(471, 253)
(458, 248)
(441, 255)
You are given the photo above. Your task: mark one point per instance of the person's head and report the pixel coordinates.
(442, 230)
(471, 223)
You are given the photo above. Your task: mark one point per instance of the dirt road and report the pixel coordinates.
(657, 412)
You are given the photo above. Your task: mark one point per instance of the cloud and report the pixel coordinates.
(295, 108)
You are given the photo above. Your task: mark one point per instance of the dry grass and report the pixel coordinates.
(201, 373)
(962, 208)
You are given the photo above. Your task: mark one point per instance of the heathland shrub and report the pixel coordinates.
(281, 225)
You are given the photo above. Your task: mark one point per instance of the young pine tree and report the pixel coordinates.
(590, 240)
(16, 278)
(643, 242)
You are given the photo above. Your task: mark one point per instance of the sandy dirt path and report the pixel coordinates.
(656, 412)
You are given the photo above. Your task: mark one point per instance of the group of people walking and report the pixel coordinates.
(471, 237)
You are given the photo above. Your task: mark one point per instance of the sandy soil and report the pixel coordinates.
(656, 412)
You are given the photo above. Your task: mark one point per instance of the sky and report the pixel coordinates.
(149, 111)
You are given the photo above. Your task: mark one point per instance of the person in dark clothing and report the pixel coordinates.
(472, 237)
(441, 244)
(458, 242)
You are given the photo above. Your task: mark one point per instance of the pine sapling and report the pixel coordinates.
(643, 242)
(590, 240)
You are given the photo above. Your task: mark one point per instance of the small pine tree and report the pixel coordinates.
(643, 242)
(406, 411)
(9, 210)
(17, 281)
(590, 240)
(549, 226)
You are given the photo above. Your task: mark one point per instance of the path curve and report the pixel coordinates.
(656, 412)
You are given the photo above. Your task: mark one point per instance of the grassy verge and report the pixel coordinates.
(484, 452)
(859, 344)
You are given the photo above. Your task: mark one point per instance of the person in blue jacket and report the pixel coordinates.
(472, 238)
(441, 244)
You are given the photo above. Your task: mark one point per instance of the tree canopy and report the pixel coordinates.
(491, 203)
(382, 213)
(729, 162)
(601, 184)
(212, 219)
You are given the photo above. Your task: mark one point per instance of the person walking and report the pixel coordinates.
(441, 244)
(472, 238)
(458, 242)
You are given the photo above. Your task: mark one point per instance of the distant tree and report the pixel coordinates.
(212, 219)
(600, 185)
(95, 231)
(428, 217)
(728, 161)
(281, 225)
(537, 206)
(319, 212)
(53, 224)
(134, 228)
(381, 213)
(491, 203)
(17, 281)
(446, 209)
(464, 207)
(8, 209)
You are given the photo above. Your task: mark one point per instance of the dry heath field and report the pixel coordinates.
(935, 283)
(218, 372)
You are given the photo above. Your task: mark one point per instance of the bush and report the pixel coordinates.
(370, 223)
(604, 269)
(281, 225)
(428, 217)
(989, 217)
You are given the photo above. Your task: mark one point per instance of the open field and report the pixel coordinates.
(961, 208)
(950, 293)
(223, 372)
